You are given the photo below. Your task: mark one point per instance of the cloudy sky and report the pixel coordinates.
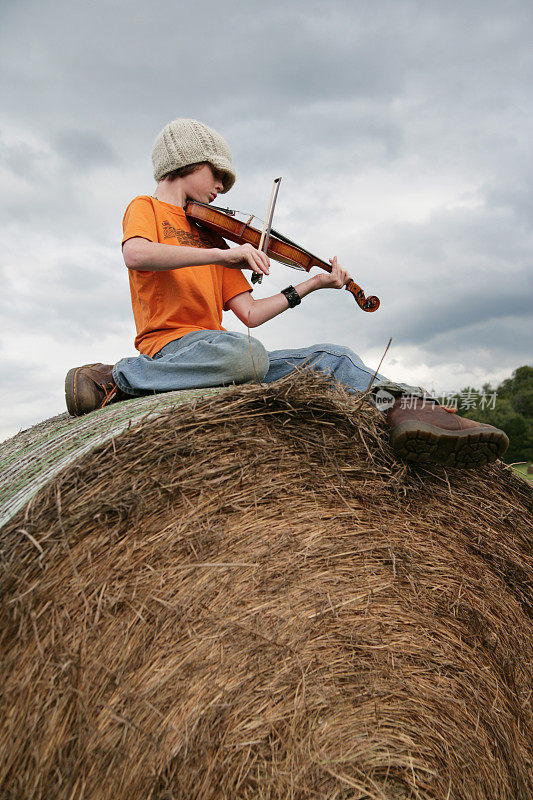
(401, 128)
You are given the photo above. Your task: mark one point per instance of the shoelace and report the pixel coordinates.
(109, 391)
(450, 409)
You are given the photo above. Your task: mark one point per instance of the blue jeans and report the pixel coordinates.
(221, 358)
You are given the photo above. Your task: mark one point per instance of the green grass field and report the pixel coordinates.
(522, 470)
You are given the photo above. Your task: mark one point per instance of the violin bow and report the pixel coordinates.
(267, 227)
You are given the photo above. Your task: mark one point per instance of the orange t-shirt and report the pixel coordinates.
(167, 304)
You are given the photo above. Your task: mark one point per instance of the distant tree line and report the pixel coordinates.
(509, 407)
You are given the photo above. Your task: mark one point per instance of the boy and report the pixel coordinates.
(181, 279)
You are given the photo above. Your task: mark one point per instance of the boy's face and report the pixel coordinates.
(204, 184)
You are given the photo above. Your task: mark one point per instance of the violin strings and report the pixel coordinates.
(235, 211)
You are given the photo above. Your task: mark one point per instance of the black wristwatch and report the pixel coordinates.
(292, 296)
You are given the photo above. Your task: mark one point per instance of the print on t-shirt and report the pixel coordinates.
(194, 239)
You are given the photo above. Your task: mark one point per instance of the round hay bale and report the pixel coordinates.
(248, 596)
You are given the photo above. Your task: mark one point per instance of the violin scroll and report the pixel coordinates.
(365, 303)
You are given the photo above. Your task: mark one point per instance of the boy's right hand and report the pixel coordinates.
(246, 256)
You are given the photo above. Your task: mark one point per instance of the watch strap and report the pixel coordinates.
(292, 296)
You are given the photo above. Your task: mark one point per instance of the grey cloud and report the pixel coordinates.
(14, 374)
(82, 301)
(83, 149)
(449, 285)
(30, 392)
(513, 194)
(22, 159)
(458, 312)
(292, 55)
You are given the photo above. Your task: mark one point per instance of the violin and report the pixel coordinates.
(278, 247)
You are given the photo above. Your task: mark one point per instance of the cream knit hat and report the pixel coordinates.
(187, 141)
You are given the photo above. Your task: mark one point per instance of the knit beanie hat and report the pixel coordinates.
(187, 141)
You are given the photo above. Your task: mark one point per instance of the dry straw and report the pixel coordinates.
(249, 597)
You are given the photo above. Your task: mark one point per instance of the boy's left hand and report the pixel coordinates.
(336, 279)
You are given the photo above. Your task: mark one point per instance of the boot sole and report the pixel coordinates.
(422, 443)
(70, 393)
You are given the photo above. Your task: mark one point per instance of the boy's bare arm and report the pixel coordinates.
(254, 312)
(141, 254)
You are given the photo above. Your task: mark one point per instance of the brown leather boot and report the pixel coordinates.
(424, 432)
(91, 387)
